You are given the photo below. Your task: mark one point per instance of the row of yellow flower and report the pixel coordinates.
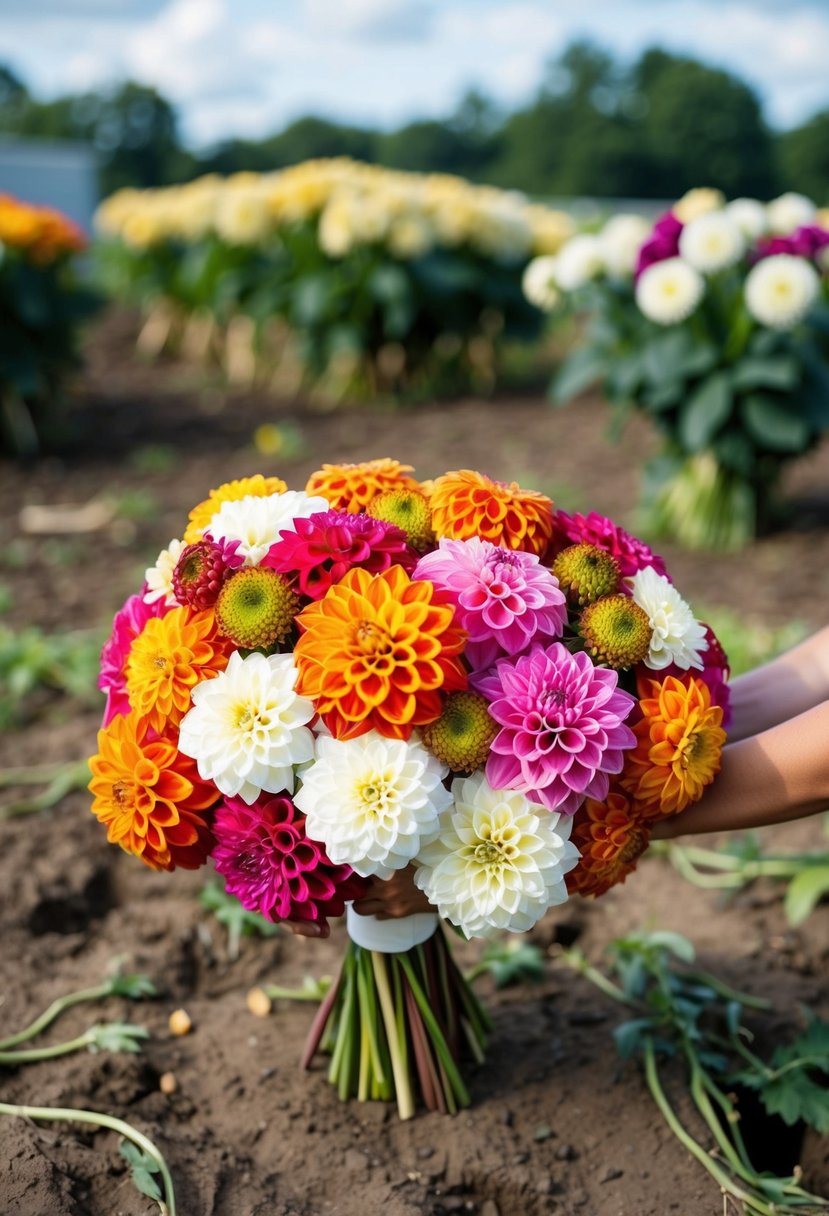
(356, 204)
(42, 234)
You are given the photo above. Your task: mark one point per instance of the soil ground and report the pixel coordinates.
(558, 1123)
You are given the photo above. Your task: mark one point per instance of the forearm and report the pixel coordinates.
(773, 777)
(788, 686)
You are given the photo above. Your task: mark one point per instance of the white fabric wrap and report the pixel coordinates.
(393, 936)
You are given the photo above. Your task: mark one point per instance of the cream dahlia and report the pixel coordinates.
(667, 292)
(248, 728)
(780, 290)
(373, 801)
(256, 523)
(677, 636)
(159, 578)
(499, 861)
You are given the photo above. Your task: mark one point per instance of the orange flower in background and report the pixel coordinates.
(611, 839)
(231, 491)
(40, 232)
(351, 487)
(167, 659)
(466, 503)
(150, 797)
(375, 653)
(679, 745)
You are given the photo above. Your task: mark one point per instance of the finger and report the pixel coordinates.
(308, 928)
(369, 907)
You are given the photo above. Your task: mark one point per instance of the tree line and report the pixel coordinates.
(594, 128)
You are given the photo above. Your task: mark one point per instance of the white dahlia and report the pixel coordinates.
(539, 283)
(789, 212)
(712, 242)
(780, 290)
(257, 521)
(667, 292)
(749, 214)
(159, 578)
(247, 730)
(579, 261)
(372, 801)
(620, 241)
(499, 861)
(677, 636)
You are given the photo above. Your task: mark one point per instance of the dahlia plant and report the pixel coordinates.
(347, 276)
(317, 689)
(42, 302)
(712, 322)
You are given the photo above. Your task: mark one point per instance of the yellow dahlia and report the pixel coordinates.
(167, 659)
(610, 839)
(466, 504)
(375, 653)
(247, 487)
(679, 742)
(351, 487)
(150, 796)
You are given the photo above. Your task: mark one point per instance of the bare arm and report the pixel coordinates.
(782, 689)
(773, 777)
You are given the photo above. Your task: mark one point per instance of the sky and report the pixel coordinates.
(248, 67)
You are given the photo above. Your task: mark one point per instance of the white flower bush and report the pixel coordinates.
(780, 290)
(669, 291)
(712, 242)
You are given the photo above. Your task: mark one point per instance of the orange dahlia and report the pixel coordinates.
(467, 504)
(150, 796)
(247, 487)
(610, 839)
(351, 487)
(679, 742)
(167, 659)
(375, 653)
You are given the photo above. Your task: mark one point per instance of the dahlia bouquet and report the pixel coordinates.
(712, 321)
(316, 689)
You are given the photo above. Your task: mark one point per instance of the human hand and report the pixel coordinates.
(393, 897)
(308, 928)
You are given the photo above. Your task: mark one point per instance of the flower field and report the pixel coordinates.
(559, 1122)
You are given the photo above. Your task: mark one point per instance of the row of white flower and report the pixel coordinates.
(716, 236)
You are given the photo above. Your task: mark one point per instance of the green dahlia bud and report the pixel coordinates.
(462, 735)
(616, 631)
(408, 510)
(256, 608)
(585, 573)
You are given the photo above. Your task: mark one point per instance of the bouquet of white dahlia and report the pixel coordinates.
(317, 688)
(712, 321)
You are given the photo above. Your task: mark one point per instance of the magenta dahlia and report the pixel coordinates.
(321, 549)
(127, 623)
(631, 553)
(272, 867)
(504, 599)
(562, 725)
(201, 571)
(662, 243)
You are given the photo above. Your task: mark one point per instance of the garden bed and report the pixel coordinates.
(558, 1123)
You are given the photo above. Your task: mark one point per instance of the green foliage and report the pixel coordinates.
(31, 660)
(795, 1085)
(143, 1169)
(511, 961)
(238, 921)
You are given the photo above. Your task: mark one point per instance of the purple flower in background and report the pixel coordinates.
(805, 242)
(662, 243)
(504, 599)
(562, 725)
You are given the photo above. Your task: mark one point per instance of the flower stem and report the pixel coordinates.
(405, 1098)
(49, 1113)
(98, 993)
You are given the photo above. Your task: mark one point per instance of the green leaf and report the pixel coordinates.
(782, 372)
(663, 397)
(705, 412)
(795, 1086)
(630, 1036)
(142, 1169)
(774, 423)
(805, 892)
(665, 355)
(577, 373)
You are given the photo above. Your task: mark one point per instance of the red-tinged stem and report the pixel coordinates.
(320, 1019)
(429, 1085)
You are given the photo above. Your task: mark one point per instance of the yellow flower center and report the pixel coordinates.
(371, 639)
(122, 793)
(374, 794)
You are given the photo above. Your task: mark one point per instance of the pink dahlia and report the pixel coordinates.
(321, 549)
(201, 571)
(807, 242)
(272, 867)
(562, 725)
(127, 623)
(631, 553)
(505, 599)
(662, 243)
(715, 672)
